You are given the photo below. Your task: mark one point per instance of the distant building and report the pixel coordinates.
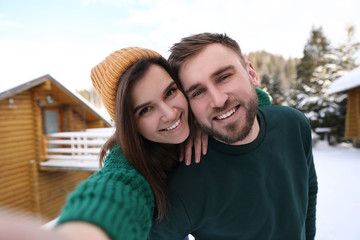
(350, 84)
(28, 112)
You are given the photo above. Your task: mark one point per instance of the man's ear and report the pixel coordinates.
(253, 75)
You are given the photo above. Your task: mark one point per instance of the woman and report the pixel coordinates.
(151, 117)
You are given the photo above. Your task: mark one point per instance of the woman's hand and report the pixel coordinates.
(30, 229)
(199, 140)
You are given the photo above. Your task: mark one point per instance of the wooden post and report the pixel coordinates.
(34, 178)
(37, 123)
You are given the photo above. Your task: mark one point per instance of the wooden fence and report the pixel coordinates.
(74, 150)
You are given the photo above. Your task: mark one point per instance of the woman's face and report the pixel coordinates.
(160, 109)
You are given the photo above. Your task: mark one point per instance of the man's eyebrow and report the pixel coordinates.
(192, 88)
(221, 70)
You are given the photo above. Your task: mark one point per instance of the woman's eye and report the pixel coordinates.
(171, 92)
(144, 110)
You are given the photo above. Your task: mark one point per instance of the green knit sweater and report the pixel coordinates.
(264, 190)
(118, 199)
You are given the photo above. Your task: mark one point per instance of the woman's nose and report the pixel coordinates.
(169, 113)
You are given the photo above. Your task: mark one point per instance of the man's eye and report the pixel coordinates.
(197, 93)
(222, 78)
(171, 92)
(144, 110)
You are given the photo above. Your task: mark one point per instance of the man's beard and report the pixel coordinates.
(232, 133)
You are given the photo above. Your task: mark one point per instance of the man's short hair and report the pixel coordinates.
(190, 46)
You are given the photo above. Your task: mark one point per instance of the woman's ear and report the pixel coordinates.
(252, 73)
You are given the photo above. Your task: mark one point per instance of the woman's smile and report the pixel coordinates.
(177, 123)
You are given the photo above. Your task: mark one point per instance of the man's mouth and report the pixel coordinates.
(227, 114)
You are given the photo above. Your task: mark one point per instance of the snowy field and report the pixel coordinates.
(338, 207)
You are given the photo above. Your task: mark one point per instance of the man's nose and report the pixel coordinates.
(218, 98)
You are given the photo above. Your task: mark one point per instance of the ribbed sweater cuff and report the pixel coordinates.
(117, 199)
(311, 214)
(120, 221)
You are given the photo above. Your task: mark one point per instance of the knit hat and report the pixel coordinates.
(106, 75)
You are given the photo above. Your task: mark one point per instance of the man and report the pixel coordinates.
(258, 179)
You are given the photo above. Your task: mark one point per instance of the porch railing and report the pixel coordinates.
(74, 150)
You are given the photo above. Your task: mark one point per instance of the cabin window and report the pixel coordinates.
(52, 120)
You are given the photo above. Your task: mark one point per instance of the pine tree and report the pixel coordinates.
(275, 74)
(303, 90)
(272, 86)
(340, 61)
(319, 67)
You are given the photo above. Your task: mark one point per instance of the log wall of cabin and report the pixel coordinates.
(73, 121)
(96, 124)
(54, 187)
(23, 187)
(17, 150)
(352, 127)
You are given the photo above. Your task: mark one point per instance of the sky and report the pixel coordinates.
(66, 38)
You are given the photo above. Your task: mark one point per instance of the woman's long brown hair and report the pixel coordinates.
(153, 160)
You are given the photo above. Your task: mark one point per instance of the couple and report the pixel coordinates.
(257, 180)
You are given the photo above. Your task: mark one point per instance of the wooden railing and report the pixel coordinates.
(74, 150)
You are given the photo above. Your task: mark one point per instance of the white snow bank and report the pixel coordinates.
(338, 207)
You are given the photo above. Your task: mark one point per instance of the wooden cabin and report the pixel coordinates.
(350, 84)
(27, 113)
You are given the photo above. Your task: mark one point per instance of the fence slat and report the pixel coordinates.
(75, 150)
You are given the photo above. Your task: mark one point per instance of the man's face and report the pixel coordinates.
(221, 93)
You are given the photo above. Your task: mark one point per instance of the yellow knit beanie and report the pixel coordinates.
(106, 75)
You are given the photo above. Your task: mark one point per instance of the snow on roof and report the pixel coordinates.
(346, 82)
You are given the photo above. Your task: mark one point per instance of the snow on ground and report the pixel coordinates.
(338, 205)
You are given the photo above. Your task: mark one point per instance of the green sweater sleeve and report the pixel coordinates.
(312, 189)
(117, 199)
(311, 213)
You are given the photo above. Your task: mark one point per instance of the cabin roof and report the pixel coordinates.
(348, 81)
(35, 82)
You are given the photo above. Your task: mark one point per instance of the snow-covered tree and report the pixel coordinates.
(304, 90)
(311, 97)
(275, 74)
(340, 61)
(272, 86)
